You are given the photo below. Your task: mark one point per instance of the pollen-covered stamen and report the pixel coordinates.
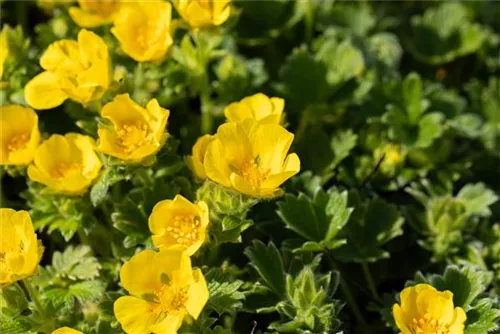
(132, 135)
(18, 143)
(63, 170)
(170, 299)
(184, 229)
(427, 324)
(253, 173)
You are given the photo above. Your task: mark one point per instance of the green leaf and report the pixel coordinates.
(342, 144)
(482, 318)
(412, 95)
(477, 199)
(268, 263)
(371, 225)
(14, 325)
(318, 219)
(76, 263)
(430, 128)
(225, 297)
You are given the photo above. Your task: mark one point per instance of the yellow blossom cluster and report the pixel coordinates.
(249, 153)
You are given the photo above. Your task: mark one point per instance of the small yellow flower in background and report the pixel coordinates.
(4, 48)
(393, 158)
(19, 249)
(251, 157)
(164, 288)
(19, 135)
(424, 310)
(136, 132)
(92, 13)
(179, 224)
(49, 5)
(258, 107)
(66, 330)
(205, 13)
(78, 70)
(195, 161)
(66, 164)
(144, 30)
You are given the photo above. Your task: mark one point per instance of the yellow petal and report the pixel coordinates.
(149, 279)
(400, 322)
(272, 146)
(439, 305)
(44, 92)
(216, 165)
(63, 54)
(161, 213)
(457, 325)
(66, 330)
(86, 19)
(134, 314)
(290, 168)
(197, 295)
(169, 325)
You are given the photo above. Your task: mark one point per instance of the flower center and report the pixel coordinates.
(64, 170)
(171, 299)
(132, 135)
(184, 229)
(427, 325)
(18, 143)
(254, 174)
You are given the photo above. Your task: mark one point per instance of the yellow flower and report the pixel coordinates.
(251, 157)
(19, 135)
(163, 288)
(66, 330)
(259, 107)
(204, 13)
(92, 13)
(19, 249)
(425, 310)
(66, 164)
(195, 161)
(135, 132)
(48, 5)
(393, 158)
(78, 70)
(144, 30)
(179, 224)
(4, 48)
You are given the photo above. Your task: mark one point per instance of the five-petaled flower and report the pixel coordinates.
(195, 161)
(164, 288)
(135, 132)
(66, 164)
(20, 252)
(259, 107)
(77, 70)
(203, 14)
(144, 30)
(179, 224)
(19, 139)
(92, 13)
(424, 310)
(251, 157)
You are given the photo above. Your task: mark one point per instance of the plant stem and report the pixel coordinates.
(369, 280)
(84, 238)
(347, 293)
(206, 110)
(33, 296)
(309, 19)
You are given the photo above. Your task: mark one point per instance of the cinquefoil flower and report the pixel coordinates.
(425, 310)
(136, 132)
(66, 330)
(195, 161)
(78, 70)
(19, 135)
(19, 249)
(164, 288)
(179, 224)
(204, 13)
(259, 107)
(144, 30)
(92, 13)
(251, 157)
(66, 164)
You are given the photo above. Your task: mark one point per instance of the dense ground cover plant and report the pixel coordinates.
(249, 167)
